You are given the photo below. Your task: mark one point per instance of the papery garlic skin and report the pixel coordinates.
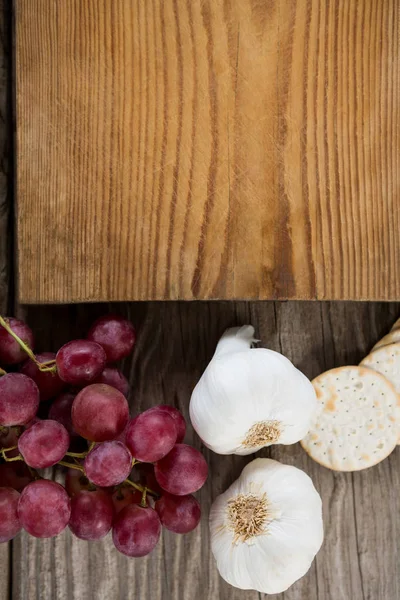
(288, 540)
(248, 398)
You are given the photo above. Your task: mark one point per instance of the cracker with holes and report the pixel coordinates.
(386, 360)
(393, 337)
(357, 419)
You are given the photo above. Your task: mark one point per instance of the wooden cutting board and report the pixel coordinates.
(183, 149)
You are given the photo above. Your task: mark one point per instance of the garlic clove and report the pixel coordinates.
(236, 339)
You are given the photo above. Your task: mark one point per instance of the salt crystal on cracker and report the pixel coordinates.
(357, 419)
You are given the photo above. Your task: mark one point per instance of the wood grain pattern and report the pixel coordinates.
(360, 558)
(180, 149)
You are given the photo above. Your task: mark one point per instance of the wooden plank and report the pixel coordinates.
(360, 557)
(5, 583)
(179, 149)
(5, 222)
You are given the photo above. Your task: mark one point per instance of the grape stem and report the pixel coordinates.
(70, 465)
(6, 458)
(34, 473)
(140, 488)
(81, 454)
(48, 363)
(77, 454)
(9, 448)
(19, 457)
(41, 366)
(144, 501)
(2, 372)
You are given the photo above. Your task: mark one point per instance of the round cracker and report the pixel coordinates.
(356, 422)
(386, 360)
(396, 325)
(393, 337)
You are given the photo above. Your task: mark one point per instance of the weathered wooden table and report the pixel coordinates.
(360, 558)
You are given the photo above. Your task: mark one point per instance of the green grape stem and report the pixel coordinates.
(140, 488)
(81, 454)
(9, 449)
(15, 458)
(144, 501)
(34, 473)
(47, 367)
(6, 458)
(77, 454)
(137, 486)
(71, 465)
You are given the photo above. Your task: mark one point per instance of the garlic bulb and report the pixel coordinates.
(248, 398)
(267, 527)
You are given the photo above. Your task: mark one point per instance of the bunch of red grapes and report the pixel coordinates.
(128, 475)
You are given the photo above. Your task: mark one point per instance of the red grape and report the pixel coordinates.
(11, 352)
(44, 444)
(108, 464)
(179, 514)
(92, 515)
(75, 482)
(9, 520)
(19, 399)
(114, 377)
(44, 508)
(80, 361)
(183, 471)
(125, 495)
(15, 475)
(116, 334)
(60, 411)
(151, 435)
(180, 422)
(136, 530)
(8, 439)
(99, 412)
(49, 384)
